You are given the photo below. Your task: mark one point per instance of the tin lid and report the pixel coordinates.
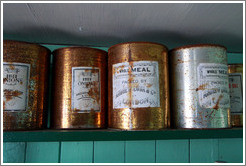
(25, 43)
(197, 46)
(137, 42)
(55, 52)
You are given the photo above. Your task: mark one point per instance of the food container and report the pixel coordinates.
(236, 93)
(138, 88)
(200, 88)
(25, 80)
(79, 89)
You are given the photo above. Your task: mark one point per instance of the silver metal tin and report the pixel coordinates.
(199, 87)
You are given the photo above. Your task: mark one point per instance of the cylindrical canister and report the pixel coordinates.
(25, 81)
(200, 87)
(236, 93)
(79, 96)
(138, 86)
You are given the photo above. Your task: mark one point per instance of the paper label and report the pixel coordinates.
(86, 89)
(213, 85)
(236, 96)
(15, 86)
(136, 84)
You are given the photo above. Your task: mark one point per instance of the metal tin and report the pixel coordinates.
(138, 88)
(200, 89)
(25, 81)
(236, 93)
(79, 88)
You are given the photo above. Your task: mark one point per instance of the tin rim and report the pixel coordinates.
(138, 42)
(197, 46)
(27, 43)
(77, 47)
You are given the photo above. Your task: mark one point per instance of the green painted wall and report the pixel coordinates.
(149, 151)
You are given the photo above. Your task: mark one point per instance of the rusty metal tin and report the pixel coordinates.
(200, 89)
(25, 84)
(236, 93)
(138, 88)
(79, 98)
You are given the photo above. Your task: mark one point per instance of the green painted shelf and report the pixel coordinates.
(111, 135)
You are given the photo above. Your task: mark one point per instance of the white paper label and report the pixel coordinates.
(136, 85)
(213, 85)
(15, 86)
(236, 96)
(85, 89)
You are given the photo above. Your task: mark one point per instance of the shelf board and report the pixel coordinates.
(115, 135)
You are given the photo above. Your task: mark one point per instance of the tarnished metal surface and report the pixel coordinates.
(25, 71)
(236, 92)
(138, 87)
(79, 88)
(200, 88)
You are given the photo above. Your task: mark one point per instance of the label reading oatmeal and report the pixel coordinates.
(213, 85)
(15, 86)
(236, 96)
(85, 89)
(136, 84)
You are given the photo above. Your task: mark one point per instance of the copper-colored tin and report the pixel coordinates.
(25, 71)
(138, 87)
(236, 93)
(79, 98)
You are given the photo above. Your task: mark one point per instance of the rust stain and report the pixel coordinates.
(180, 61)
(3, 105)
(117, 71)
(12, 67)
(4, 80)
(94, 92)
(130, 83)
(149, 85)
(87, 70)
(10, 94)
(94, 70)
(217, 103)
(35, 78)
(192, 107)
(202, 87)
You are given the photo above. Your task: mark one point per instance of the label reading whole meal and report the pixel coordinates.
(236, 96)
(213, 85)
(15, 86)
(85, 89)
(136, 85)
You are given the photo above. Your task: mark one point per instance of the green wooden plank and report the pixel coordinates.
(231, 150)
(14, 152)
(109, 151)
(77, 152)
(140, 151)
(116, 135)
(203, 150)
(172, 151)
(42, 152)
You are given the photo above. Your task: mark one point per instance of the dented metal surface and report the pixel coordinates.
(138, 89)
(25, 82)
(79, 88)
(200, 88)
(236, 93)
